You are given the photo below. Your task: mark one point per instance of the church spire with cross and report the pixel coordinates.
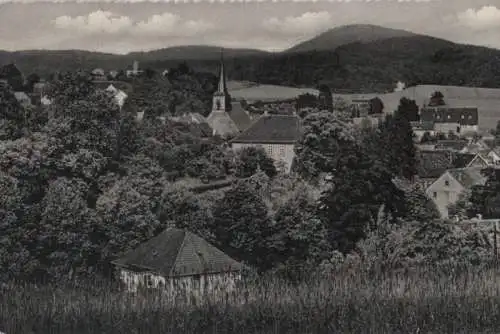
(221, 98)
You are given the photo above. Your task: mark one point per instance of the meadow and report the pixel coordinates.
(426, 300)
(252, 92)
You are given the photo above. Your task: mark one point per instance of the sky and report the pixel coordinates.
(121, 26)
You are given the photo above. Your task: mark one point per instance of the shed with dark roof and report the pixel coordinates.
(177, 257)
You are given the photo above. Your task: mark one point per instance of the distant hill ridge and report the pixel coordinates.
(364, 58)
(354, 33)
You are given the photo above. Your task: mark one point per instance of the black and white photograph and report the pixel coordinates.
(249, 166)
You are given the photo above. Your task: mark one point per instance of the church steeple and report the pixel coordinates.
(221, 98)
(222, 88)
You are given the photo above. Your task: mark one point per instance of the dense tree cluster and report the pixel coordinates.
(90, 181)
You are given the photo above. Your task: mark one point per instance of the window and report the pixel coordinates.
(434, 194)
(282, 151)
(447, 183)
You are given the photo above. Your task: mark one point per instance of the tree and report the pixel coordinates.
(324, 144)
(419, 207)
(299, 235)
(398, 149)
(485, 199)
(11, 115)
(251, 159)
(241, 225)
(437, 99)
(408, 109)
(325, 98)
(357, 189)
(127, 219)
(307, 101)
(376, 106)
(31, 80)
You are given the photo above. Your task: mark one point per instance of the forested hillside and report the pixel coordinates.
(363, 65)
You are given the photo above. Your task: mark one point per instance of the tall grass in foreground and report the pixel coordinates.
(451, 300)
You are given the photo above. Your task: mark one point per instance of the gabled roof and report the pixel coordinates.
(239, 116)
(9, 70)
(272, 129)
(176, 252)
(432, 164)
(457, 145)
(463, 160)
(468, 177)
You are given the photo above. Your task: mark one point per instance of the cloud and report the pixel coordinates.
(171, 25)
(305, 24)
(483, 18)
(95, 22)
(166, 24)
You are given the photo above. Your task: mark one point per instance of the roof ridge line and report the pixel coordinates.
(198, 251)
(179, 251)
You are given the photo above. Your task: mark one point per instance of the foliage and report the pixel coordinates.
(241, 225)
(397, 148)
(437, 99)
(485, 199)
(11, 115)
(323, 145)
(300, 237)
(251, 159)
(354, 196)
(423, 243)
(420, 207)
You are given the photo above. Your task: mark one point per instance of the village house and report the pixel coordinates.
(494, 156)
(23, 99)
(226, 118)
(11, 74)
(446, 119)
(276, 134)
(177, 260)
(447, 188)
(432, 164)
(99, 74)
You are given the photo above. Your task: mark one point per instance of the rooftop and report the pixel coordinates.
(279, 129)
(176, 252)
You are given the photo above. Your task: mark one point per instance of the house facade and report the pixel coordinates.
(178, 261)
(449, 119)
(276, 134)
(447, 188)
(226, 117)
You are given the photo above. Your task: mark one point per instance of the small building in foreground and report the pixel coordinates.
(178, 260)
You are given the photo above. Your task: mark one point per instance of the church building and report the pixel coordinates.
(227, 117)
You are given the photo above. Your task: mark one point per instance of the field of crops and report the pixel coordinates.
(450, 300)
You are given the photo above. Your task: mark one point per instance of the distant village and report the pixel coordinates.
(453, 145)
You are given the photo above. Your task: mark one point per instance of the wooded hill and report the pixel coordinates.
(356, 58)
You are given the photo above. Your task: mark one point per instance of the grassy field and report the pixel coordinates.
(425, 301)
(252, 92)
